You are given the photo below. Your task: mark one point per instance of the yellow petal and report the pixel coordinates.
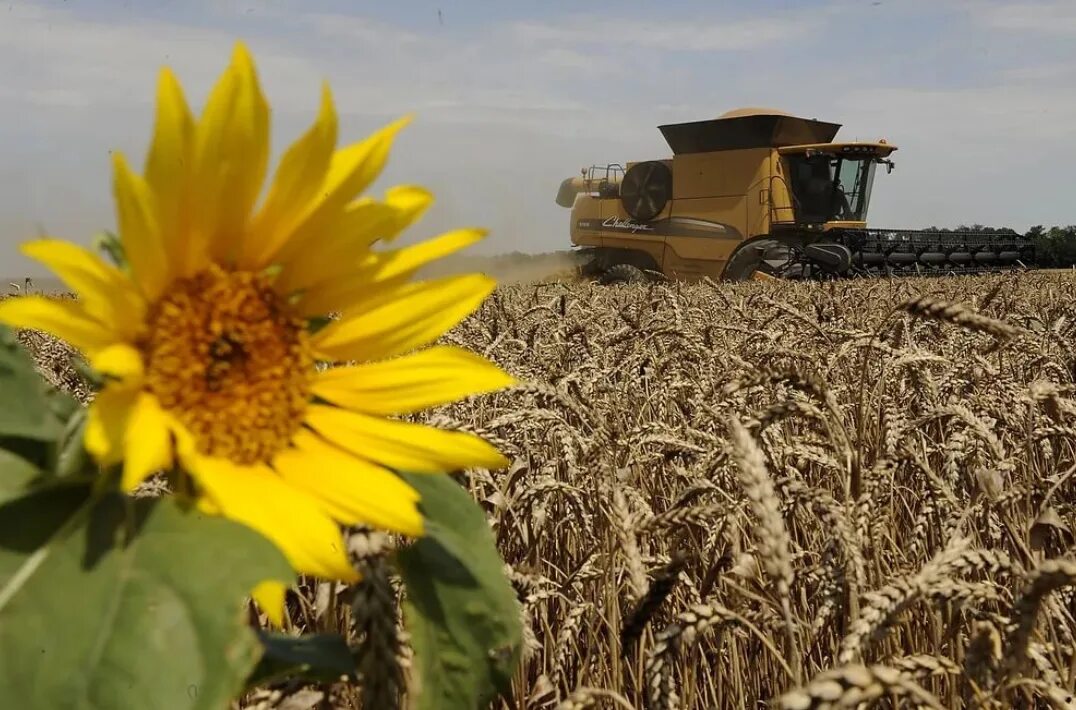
(136, 214)
(104, 291)
(351, 170)
(402, 318)
(106, 423)
(290, 518)
(402, 446)
(352, 490)
(361, 224)
(64, 318)
(405, 262)
(298, 179)
(270, 598)
(147, 442)
(168, 173)
(429, 378)
(230, 158)
(206, 506)
(344, 254)
(120, 360)
(343, 281)
(411, 201)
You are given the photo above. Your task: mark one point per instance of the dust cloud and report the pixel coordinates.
(511, 268)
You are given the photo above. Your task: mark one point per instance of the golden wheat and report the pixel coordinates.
(839, 495)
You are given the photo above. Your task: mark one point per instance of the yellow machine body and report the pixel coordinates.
(744, 175)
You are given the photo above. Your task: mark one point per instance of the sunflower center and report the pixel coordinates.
(226, 358)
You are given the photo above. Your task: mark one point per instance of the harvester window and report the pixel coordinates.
(827, 188)
(853, 188)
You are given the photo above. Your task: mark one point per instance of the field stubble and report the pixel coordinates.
(816, 495)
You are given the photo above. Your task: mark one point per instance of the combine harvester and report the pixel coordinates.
(758, 193)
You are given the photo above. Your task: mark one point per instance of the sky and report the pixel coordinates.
(510, 98)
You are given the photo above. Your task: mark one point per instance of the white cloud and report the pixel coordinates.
(374, 35)
(83, 62)
(663, 35)
(1055, 18)
(1008, 115)
(1053, 74)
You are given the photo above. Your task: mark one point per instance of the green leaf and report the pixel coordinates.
(118, 602)
(71, 457)
(27, 414)
(313, 657)
(16, 474)
(109, 244)
(461, 610)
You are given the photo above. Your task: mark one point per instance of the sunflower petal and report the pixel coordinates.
(361, 224)
(104, 291)
(147, 442)
(168, 172)
(352, 490)
(297, 181)
(353, 232)
(412, 202)
(401, 319)
(351, 170)
(402, 446)
(290, 518)
(402, 263)
(438, 375)
(231, 156)
(120, 360)
(270, 598)
(345, 281)
(66, 319)
(106, 423)
(136, 213)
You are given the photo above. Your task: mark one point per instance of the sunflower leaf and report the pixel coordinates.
(113, 602)
(16, 474)
(71, 457)
(312, 657)
(461, 610)
(20, 383)
(110, 245)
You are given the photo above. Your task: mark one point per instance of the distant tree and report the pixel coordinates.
(1054, 247)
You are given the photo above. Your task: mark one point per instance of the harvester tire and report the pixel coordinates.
(622, 274)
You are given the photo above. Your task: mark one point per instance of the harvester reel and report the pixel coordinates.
(645, 189)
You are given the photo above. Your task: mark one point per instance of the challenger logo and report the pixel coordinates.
(616, 224)
(668, 227)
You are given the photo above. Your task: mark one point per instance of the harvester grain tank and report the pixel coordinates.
(759, 192)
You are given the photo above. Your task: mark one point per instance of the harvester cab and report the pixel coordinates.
(758, 192)
(831, 184)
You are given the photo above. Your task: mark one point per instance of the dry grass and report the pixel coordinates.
(825, 495)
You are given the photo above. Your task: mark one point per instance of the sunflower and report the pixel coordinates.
(212, 336)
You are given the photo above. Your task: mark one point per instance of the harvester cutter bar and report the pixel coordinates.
(925, 252)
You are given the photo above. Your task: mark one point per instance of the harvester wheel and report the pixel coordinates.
(623, 274)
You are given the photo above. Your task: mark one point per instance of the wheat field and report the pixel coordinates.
(851, 494)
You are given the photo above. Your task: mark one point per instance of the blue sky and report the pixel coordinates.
(511, 97)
